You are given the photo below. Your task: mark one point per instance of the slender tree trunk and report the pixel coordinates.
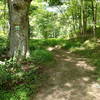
(83, 20)
(80, 22)
(19, 28)
(73, 17)
(94, 10)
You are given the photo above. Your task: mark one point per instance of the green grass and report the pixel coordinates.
(44, 43)
(42, 56)
(91, 51)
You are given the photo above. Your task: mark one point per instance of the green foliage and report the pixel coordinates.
(3, 46)
(3, 17)
(6, 75)
(53, 42)
(43, 24)
(71, 44)
(17, 82)
(42, 56)
(19, 93)
(54, 2)
(44, 43)
(66, 24)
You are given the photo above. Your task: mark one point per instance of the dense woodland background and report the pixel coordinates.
(46, 25)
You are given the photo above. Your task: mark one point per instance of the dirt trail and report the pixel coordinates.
(70, 78)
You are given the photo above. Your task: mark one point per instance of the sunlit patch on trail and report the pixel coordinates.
(84, 65)
(94, 90)
(54, 48)
(71, 78)
(68, 84)
(67, 59)
(50, 48)
(86, 79)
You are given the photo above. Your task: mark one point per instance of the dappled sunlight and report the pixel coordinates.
(86, 79)
(63, 58)
(58, 56)
(70, 91)
(70, 79)
(50, 48)
(76, 49)
(56, 94)
(68, 85)
(68, 52)
(94, 90)
(56, 47)
(67, 59)
(90, 44)
(84, 65)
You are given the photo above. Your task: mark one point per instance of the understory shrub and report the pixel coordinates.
(71, 44)
(17, 81)
(3, 46)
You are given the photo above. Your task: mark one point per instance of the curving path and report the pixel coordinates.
(70, 78)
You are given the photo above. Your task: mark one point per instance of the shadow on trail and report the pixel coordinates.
(70, 78)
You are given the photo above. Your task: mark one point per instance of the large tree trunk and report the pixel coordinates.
(18, 36)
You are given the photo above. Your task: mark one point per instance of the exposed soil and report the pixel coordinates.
(69, 78)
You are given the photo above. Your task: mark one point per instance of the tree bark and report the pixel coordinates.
(80, 21)
(19, 28)
(94, 10)
(83, 18)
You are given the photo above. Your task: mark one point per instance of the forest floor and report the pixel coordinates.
(70, 78)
